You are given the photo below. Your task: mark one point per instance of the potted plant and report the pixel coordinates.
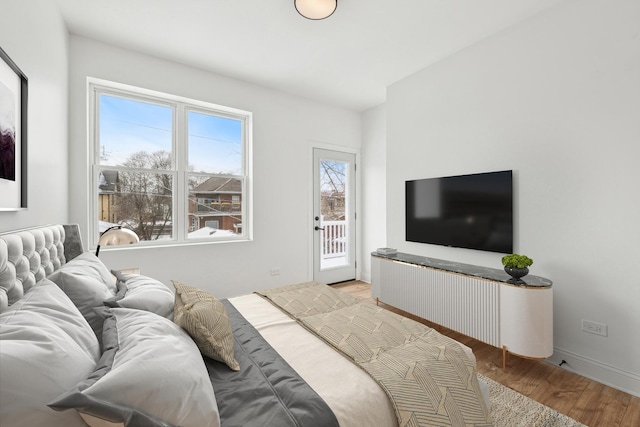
(516, 265)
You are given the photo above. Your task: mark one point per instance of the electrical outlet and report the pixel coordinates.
(594, 327)
(275, 271)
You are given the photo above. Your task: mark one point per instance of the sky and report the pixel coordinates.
(128, 126)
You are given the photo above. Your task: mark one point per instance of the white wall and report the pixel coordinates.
(556, 99)
(35, 38)
(373, 167)
(284, 127)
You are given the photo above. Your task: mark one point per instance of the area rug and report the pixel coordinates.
(512, 409)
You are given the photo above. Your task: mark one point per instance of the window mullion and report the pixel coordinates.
(181, 194)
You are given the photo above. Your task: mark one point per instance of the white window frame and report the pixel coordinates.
(180, 192)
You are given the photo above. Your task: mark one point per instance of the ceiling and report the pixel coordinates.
(346, 60)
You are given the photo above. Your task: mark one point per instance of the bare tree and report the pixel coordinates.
(333, 176)
(144, 196)
(333, 183)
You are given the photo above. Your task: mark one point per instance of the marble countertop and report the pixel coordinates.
(498, 275)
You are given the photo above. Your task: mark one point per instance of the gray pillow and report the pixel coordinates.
(150, 374)
(47, 347)
(142, 293)
(87, 282)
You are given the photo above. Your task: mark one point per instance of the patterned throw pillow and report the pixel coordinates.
(204, 317)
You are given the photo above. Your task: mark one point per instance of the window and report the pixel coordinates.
(168, 167)
(212, 224)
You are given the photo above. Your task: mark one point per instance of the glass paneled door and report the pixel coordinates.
(333, 216)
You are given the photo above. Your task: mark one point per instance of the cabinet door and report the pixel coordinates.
(526, 321)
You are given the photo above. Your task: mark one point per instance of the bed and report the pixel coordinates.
(82, 345)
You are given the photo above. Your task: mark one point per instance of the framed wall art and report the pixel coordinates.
(13, 136)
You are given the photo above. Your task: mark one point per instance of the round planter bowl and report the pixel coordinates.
(516, 273)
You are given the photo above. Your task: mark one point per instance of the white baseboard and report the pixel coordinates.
(626, 381)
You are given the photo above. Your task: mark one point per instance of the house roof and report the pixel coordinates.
(216, 185)
(108, 180)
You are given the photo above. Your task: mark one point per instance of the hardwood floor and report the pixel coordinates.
(584, 400)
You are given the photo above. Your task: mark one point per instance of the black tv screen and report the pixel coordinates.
(467, 211)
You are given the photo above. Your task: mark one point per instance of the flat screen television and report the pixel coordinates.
(467, 211)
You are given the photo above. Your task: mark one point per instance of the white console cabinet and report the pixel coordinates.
(483, 303)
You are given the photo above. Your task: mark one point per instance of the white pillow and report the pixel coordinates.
(142, 293)
(87, 282)
(46, 346)
(4, 300)
(151, 373)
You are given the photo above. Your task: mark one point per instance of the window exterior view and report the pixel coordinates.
(171, 170)
(333, 180)
(216, 204)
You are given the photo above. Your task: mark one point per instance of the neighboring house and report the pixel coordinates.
(106, 196)
(113, 201)
(217, 204)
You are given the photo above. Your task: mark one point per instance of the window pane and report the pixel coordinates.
(215, 144)
(215, 206)
(333, 180)
(129, 126)
(141, 201)
(333, 185)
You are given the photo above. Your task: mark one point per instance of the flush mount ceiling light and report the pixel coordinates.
(316, 9)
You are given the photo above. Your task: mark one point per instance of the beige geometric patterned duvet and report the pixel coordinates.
(427, 376)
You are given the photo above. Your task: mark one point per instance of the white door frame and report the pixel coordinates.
(311, 223)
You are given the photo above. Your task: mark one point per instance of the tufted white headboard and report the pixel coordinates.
(27, 256)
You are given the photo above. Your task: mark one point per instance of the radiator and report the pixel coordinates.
(465, 304)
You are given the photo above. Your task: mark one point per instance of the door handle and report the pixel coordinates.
(318, 228)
